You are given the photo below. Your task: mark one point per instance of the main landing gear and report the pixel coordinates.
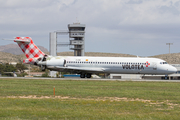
(88, 75)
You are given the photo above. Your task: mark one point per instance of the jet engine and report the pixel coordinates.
(52, 62)
(56, 62)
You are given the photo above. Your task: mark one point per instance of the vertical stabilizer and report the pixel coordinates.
(28, 47)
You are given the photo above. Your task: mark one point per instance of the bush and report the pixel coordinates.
(46, 74)
(21, 75)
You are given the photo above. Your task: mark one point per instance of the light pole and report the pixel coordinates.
(169, 46)
(169, 53)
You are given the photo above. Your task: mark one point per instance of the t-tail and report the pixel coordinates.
(31, 51)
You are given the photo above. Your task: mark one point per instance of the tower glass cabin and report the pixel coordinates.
(76, 37)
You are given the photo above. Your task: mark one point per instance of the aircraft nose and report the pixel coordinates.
(172, 69)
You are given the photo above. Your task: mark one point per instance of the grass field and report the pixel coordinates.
(126, 100)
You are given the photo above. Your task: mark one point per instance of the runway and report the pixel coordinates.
(92, 79)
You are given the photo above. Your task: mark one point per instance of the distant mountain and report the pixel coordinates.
(14, 49)
(12, 53)
(173, 58)
(8, 57)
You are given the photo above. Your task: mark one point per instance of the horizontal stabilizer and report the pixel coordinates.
(19, 40)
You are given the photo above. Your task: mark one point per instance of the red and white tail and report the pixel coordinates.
(32, 52)
(28, 47)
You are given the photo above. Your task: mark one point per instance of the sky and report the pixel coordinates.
(137, 27)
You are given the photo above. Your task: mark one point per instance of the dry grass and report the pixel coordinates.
(111, 99)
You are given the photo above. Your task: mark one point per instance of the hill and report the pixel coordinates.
(173, 58)
(98, 54)
(8, 57)
(14, 49)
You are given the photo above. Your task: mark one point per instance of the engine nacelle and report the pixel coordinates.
(56, 62)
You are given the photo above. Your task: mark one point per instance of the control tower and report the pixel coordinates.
(76, 37)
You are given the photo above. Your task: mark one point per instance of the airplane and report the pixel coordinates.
(86, 66)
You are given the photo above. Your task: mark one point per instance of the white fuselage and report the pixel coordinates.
(85, 66)
(121, 65)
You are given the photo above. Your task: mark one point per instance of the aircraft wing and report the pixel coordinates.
(84, 69)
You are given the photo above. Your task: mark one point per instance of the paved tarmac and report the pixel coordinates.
(99, 79)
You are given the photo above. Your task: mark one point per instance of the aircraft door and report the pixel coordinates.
(64, 63)
(154, 66)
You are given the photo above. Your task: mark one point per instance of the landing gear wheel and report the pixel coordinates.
(88, 75)
(82, 76)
